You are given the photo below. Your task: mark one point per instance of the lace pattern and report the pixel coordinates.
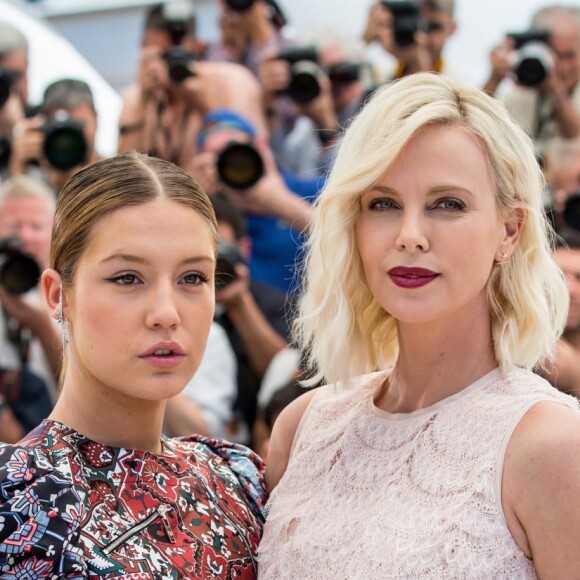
(368, 494)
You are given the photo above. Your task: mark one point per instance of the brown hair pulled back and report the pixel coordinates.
(116, 183)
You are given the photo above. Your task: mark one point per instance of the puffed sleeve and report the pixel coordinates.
(248, 468)
(40, 512)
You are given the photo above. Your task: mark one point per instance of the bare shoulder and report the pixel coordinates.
(282, 438)
(540, 488)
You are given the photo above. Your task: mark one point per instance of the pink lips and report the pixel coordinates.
(411, 277)
(164, 355)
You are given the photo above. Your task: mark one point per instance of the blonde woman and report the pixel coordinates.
(430, 293)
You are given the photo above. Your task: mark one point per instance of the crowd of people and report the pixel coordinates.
(288, 212)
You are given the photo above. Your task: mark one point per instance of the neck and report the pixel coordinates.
(109, 418)
(437, 361)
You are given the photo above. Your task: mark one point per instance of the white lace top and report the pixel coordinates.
(369, 494)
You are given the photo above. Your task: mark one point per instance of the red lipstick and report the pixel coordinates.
(164, 355)
(411, 277)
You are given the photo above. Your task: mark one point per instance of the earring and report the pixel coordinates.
(63, 324)
(503, 254)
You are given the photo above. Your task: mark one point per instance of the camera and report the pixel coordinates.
(19, 273)
(228, 256)
(534, 61)
(304, 85)
(239, 165)
(344, 73)
(571, 213)
(6, 78)
(177, 60)
(240, 5)
(178, 16)
(406, 21)
(64, 144)
(5, 151)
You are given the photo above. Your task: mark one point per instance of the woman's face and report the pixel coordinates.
(429, 232)
(142, 301)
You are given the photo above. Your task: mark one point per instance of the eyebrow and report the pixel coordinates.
(144, 261)
(445, 188)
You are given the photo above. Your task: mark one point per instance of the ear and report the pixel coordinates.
(51, 284)
(513, 225)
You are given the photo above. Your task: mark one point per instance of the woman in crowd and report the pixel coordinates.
(96, 490)
(430, 293)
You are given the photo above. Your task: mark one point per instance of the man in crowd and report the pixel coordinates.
(28, 337)
(551, 108)
(68, 109)
(162, 112)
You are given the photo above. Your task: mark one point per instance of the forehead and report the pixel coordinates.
(16, 60)
(218, 139)
(25, 207)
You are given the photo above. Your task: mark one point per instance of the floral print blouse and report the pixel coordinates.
(73, 508)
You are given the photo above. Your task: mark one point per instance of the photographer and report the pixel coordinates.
(276, 204)
(253, 314)
(298, 98)
(162, 112)
(28, 337)
(544, 97)
(248, 30)
(420, 31)
(60, 140)
(13, 85)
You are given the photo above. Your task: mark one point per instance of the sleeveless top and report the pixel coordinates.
(369, 494)
(73, 508)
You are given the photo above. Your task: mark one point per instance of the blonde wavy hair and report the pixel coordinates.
(343, 331)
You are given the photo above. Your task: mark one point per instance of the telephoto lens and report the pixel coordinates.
(239, 165)
(64, 145)
(228, 256)
(19, 273)
(240, 5)
(6, 78)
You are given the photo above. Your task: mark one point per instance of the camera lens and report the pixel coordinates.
(64, 144)
(572, 211)
(178, 60)
(225, 269)
(533, 64)
(5, 84)
(240, 5)
(304, 86)
(240, 166)
(19, 273)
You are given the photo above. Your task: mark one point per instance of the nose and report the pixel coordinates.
(162, 309)
(412, 235)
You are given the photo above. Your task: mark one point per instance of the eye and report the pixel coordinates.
(449, 203)
(125, 279)
(383, 203)
(194, 279)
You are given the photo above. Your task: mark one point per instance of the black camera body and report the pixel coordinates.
(6, 79)
(64, 144)
(240, 5)
(344, 73)
(406, 21)
(228, 257)
(240, 165)
(19, 273)
(304, 85)
(178, 60)
(534, 62)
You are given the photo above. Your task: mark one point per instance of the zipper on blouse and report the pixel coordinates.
(159, 513)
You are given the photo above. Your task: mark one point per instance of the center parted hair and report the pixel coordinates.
(344, 331)
(112, 184)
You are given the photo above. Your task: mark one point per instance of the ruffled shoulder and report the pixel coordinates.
(40, 513)
(247, 466)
